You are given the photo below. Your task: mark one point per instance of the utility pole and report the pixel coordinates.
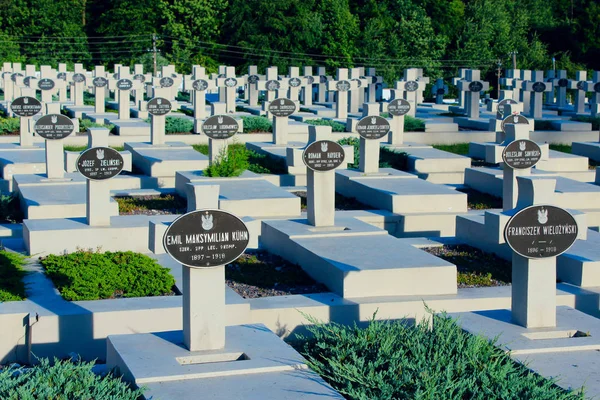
(154, 51)
(514, 59)
(498, 81)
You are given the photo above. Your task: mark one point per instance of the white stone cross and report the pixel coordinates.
(79, 81)
(307, 91)
(100, 91)
(375, 86)
(369, 148)
(230, 83)
(125, 91)
(561, 83)
(511, 76)
(158, 122)
(342, 85)
(7, 83)
(549, 96)
(251, 84)
(462, 74)
(197, 84)
(472, 85)
(357, 76)
(579, 85)
(295, 83)
(537, 86)
(322, 87)
(439, 90)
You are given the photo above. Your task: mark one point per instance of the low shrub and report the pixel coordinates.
(9, 126)
(398, 360)
(89, 99)
(413, 124)
(10, 209)
(257, 125)
(563, 148)
(12, 287)
(257, 163)
(335, 126)
(84, 124)
(174, 125)
(64, 379)
(229, 163)
(595, 121)
(387, 158)
(89, 275)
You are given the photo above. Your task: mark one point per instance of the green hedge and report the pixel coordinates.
(175, 125)
(257, 125)
(9, 126)
(387, 158)
(88, 275)
(397, 360)
(63, 380)
(12, 287)
(84, 124)
(335, 126)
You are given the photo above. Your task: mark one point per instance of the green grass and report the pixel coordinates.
(255, 124)
(563, 148)
(481, 201)
(595, 121)
(398, 360)
(387, 158)
(84, 124)
(457, 148)
(10, 209)
(257, 163)
(9, 126)
(174, 204)
(12, 287)
(92, 275)
(64, 380)
(335, 126)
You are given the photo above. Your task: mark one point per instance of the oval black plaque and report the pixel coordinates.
(476, 86)
(521, 154)
(220, 127)
(539, 87)
(62, 76)
(441, 92)
(295, 82)
(206, 238)
(581, 85)
(100, 163)
(323, 155)
(14, 76)
(272, 85)
(27, 80)
(398, 107)
(139, 77)
(116, 76)
(309, 79)
(26, 106)
(358, 82)
(46, 84)
(100, 81)
(343, 86)
(54, 126)
(411, 86)
(200, 85)
(597, 87)
(541, 231)
(166, 82)
(500, 108)
(252, 79)
(513, 119)
(373, 127)
(159, 106)
(124, 84)
(323, 79)
(231, 82)
(78, 78)
(282, 107)
(563, 82)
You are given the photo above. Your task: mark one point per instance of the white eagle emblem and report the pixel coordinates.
(207, 222)
(542, 216)
(373, 120)
(100, 154)
(54, 119)
(220, 119)
(324, 147)
(522, 146)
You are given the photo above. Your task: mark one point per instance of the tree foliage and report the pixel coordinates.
(437, 35)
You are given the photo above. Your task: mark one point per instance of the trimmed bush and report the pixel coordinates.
(387, 158)
(9, 126)
(257, 125)
(89, 275)
(10, 209)
(12, 287)
(335, 126)
(395, 360)
(413, 124)
(84, 124)
(64, 380)
(229, 163)
(174, 125)
(257, 163)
